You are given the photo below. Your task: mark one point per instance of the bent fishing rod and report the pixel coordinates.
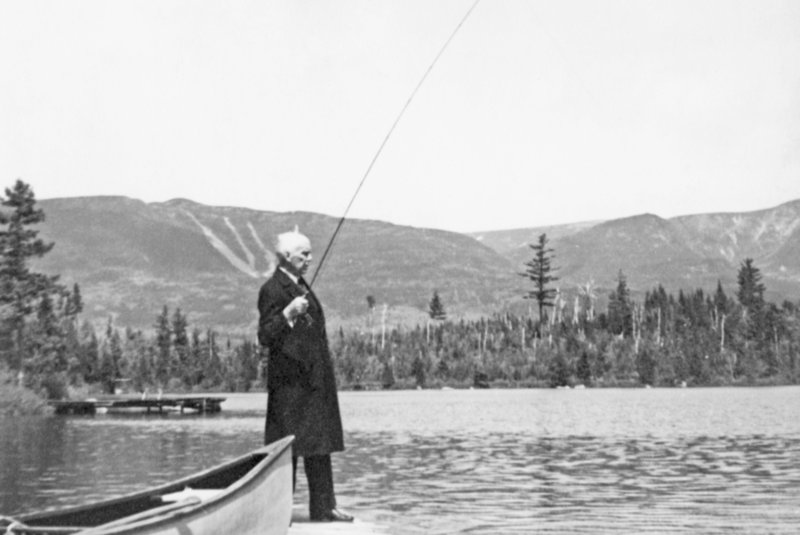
(385, 140)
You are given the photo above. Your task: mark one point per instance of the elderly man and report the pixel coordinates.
(301, 386)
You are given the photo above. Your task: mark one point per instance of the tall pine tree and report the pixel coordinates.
(163, 363)
(751, 289)
(180, 341)
(751, 296)
(21, 290)
(436, 308)
(540, 270)
(620, 308)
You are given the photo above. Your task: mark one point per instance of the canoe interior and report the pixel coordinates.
(96, 514)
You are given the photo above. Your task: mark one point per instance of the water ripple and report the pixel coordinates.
(518, 484)
(471, 462)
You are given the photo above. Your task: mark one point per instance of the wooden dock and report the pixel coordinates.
(301, 525)
(197, 404)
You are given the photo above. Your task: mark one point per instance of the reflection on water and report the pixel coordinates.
(512, 461)
(68, 460)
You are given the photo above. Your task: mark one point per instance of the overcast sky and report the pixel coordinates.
(537, 113)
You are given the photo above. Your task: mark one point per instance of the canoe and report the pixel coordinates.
(248, 495)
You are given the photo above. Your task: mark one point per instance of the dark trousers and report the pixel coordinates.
(319, 474)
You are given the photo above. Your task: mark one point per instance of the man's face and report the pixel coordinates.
(300, 259)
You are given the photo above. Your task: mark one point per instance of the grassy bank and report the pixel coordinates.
(18, 401)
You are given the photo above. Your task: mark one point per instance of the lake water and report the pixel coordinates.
(716, 460)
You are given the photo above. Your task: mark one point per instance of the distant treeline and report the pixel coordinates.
(692, 339)
(665, 340)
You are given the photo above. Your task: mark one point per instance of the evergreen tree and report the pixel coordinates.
(436, 308)
(110, 356)
(583, 370)
(74, 304)
(620, 308)
(72, 344)
(71, 306)
(721, 302)
(656, 306)
(199, 355)
(214, 369)
(246, 356)
(387, 374)
(180, 341)
(559, 371)
(646, 366)
(751, 289)
(164, 345)
(89, 355)
(750, 294)
(418, 371)
(46, 363)
(139, 353)
(540, 270)
(20, 288)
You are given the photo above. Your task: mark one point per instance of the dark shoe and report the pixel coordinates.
(334, 515)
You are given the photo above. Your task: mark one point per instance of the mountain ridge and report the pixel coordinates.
(688, 250)
(131, 258)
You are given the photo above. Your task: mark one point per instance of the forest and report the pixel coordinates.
(694, 338)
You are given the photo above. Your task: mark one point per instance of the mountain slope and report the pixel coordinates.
(648, 249)
(684, 252)
(131, 258)
(740, 235)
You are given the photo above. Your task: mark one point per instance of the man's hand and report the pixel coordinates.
(296, 308)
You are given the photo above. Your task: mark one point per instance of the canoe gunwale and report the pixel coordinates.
(271, 453)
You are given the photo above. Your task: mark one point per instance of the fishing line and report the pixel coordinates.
(386, 139)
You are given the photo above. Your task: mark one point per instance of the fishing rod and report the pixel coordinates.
(385, 140)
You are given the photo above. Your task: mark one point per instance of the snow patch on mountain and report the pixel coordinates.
(251, 260)
(223, 249)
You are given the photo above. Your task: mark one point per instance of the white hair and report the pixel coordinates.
(291, 242)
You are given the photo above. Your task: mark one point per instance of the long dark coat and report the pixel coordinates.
(301, 386)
